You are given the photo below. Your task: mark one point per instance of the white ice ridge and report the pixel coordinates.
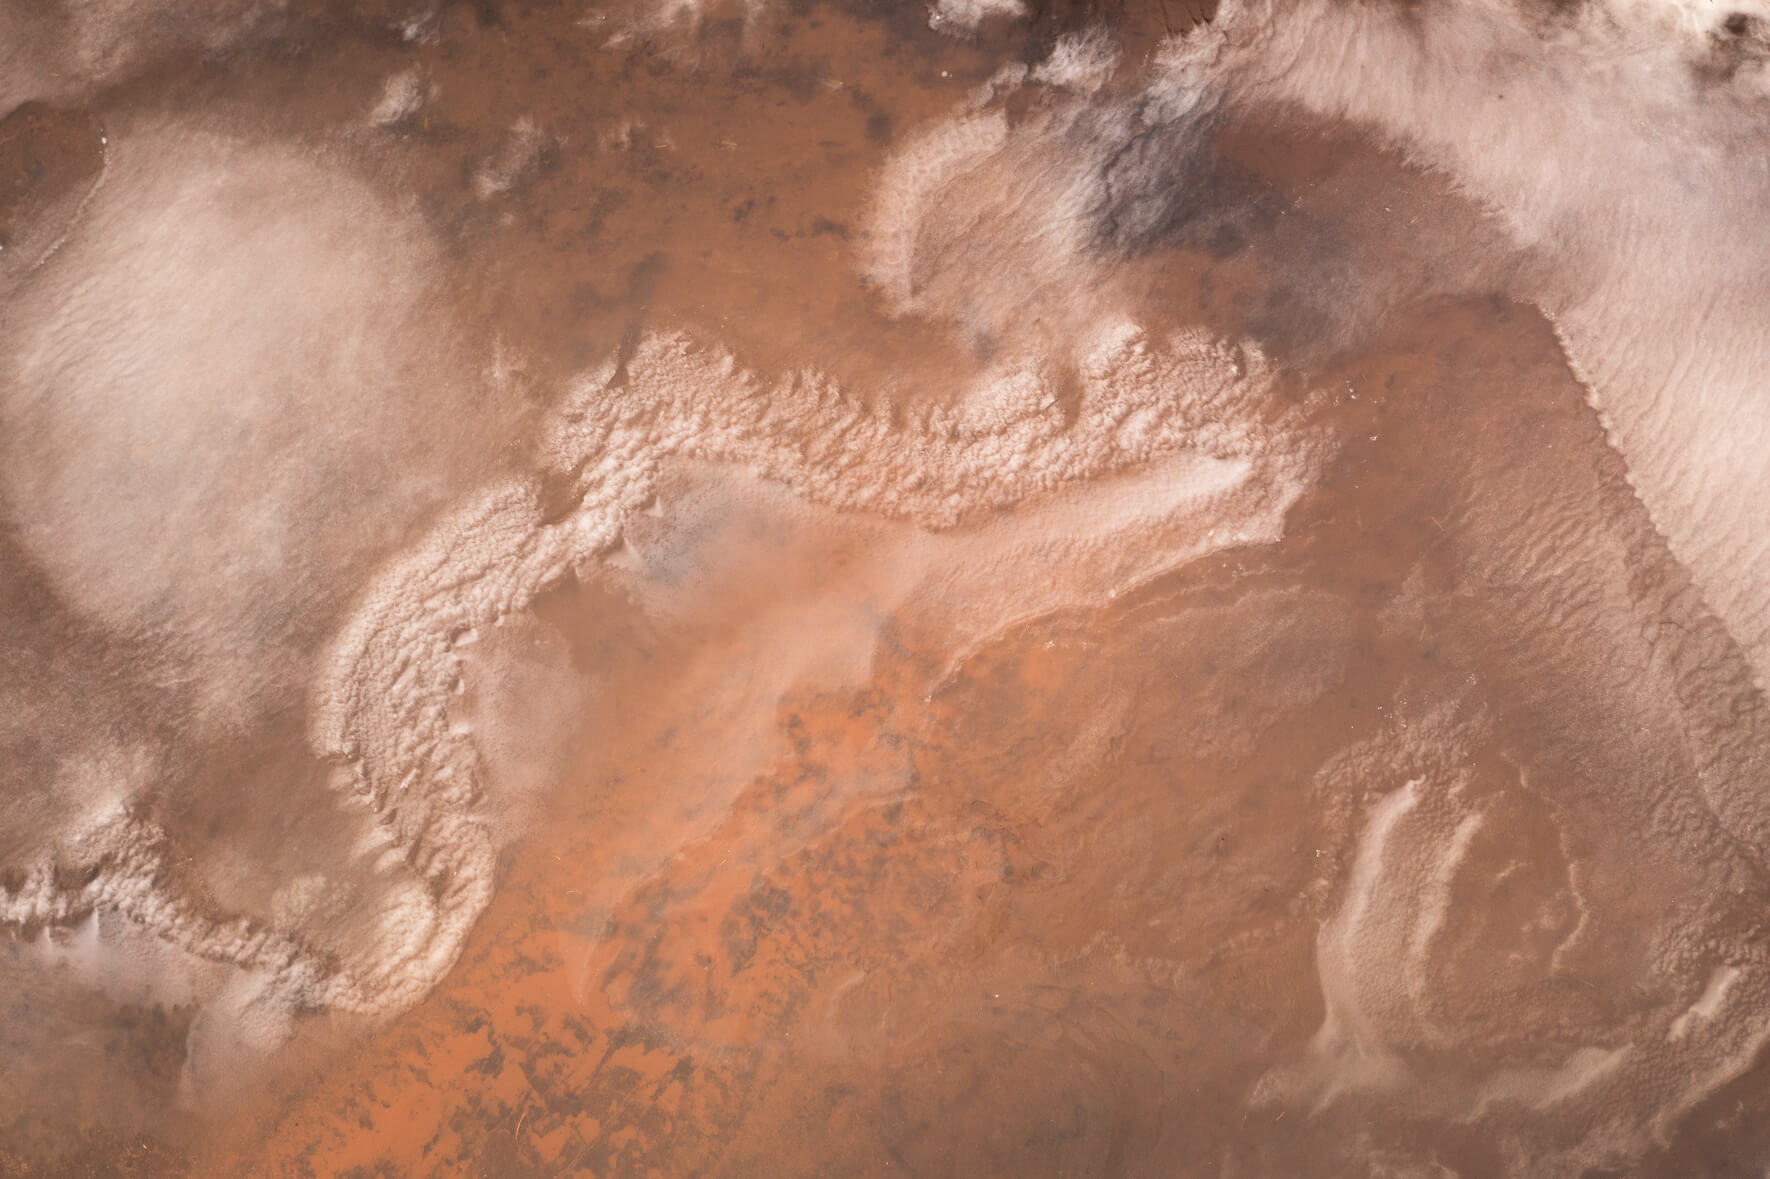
(382, 710)
(381, 707)
(130, 878)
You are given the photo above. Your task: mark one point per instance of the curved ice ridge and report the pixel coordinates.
(380, 709)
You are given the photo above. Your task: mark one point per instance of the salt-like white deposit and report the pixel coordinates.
(1170, 430)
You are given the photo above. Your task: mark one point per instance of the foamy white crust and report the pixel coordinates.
(382, 709)
(382, 712)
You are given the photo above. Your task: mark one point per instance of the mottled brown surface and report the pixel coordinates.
(1045, 905)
